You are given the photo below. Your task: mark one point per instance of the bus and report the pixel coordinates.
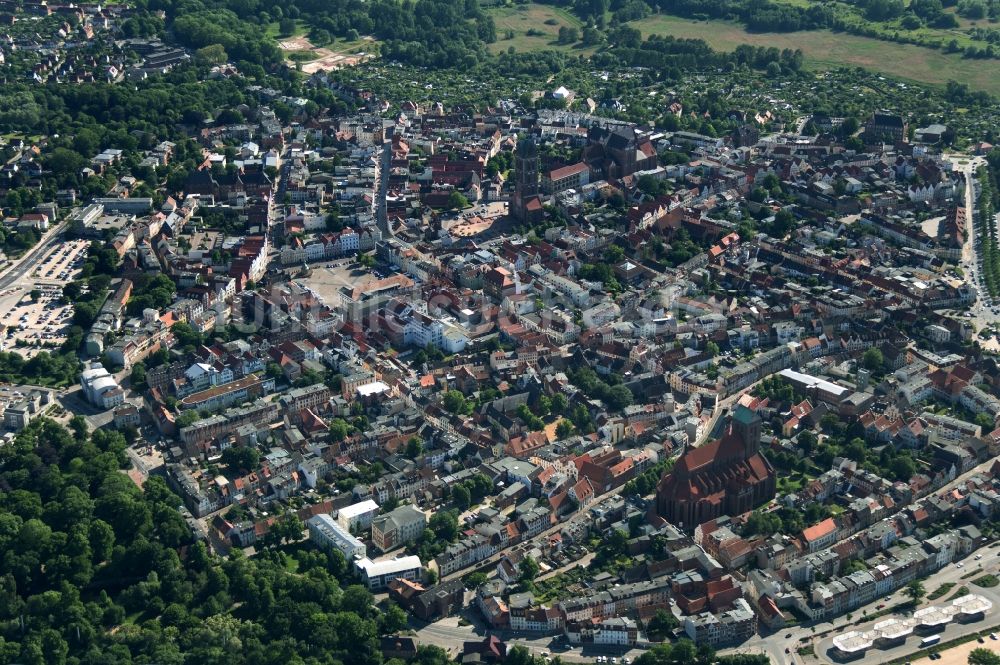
(929, 641)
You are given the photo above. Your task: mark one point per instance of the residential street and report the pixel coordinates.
(982, 314)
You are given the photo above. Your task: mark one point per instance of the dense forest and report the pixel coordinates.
(95, 571)
(433, 33)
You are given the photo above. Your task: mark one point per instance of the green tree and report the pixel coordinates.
(783, 222)
(457, 201)
(903, 467)
(915, 591)
(414, 447)
(392, 620)
(65, 162)
(619, 397)
(454, 401)
(339, 429)
(564, 429)
(444, 525)
(462, 497)
(981, 656)
(213, 54)
(985, 421)
(138, 376)
(287, 528)
(245, 458)
(662, 623)
(186, 336)
(528, 569)
(872, 359)
(475, 580)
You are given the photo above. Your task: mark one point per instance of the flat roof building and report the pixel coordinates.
(328, 534)
(378, 574)
(357, 515)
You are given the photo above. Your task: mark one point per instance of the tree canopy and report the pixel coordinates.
(100, 570)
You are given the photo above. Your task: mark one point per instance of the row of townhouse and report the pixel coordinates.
(895, 567)
(491, 538)
(846, 593)
(620, 632)
(227, 394)
(330, 246)
(402, 487)
(763, 364)
(207, 429)
(466, 552)
(139, 345)
(733, 379)
(616, 601)
(733, 626)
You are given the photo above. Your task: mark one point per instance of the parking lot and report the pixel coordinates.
(29, 324)
(63, 263)
(326, 279)
(32, 325)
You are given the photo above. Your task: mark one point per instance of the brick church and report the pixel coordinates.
(728, 476)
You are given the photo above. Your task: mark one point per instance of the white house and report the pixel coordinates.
(357, 515)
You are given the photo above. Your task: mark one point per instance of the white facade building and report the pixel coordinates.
(377, 575)
(357, 515)
(328, 534)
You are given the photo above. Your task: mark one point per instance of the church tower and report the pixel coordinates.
(526, 186)
(747, 425)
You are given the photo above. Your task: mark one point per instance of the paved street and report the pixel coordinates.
(74, 402)
(15, 280)
(982, 315)
(24, 265)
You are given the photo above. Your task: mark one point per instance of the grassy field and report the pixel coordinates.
(273, 30)
(522, 18)
(824, 49)
(853, 15)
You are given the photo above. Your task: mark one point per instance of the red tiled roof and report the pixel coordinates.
(817, 531)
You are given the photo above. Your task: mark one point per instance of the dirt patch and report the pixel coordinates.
(299, 43)
(329, 60)
(960, 655)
